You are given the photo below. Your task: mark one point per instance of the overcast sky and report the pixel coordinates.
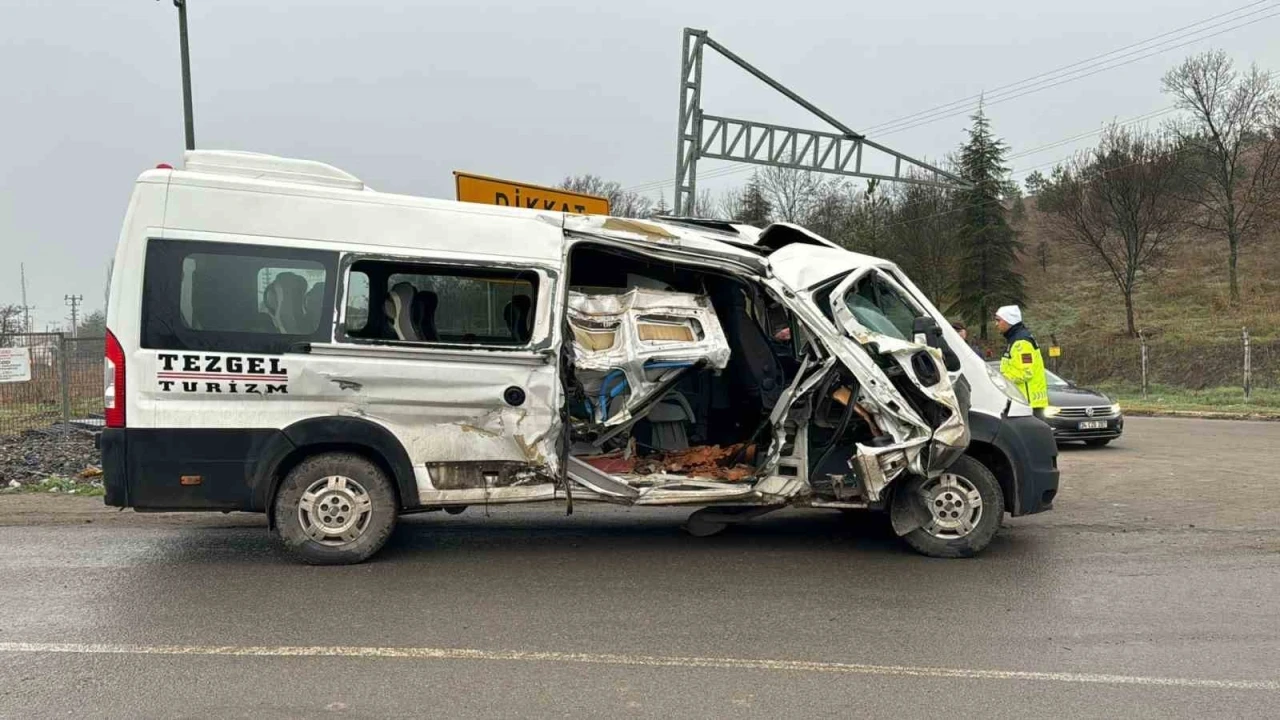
(402, 94)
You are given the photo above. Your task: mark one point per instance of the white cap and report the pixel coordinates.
(1010, 314)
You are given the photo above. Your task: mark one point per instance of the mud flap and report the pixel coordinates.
(906, 512)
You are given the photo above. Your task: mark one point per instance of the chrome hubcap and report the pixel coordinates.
(955, 506)
(335, 510)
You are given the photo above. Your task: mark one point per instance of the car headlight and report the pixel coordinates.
(1115, 408)
(1005, 386)
(1050, 411)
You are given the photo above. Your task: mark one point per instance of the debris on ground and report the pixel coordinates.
(61, 451)
(731, 463)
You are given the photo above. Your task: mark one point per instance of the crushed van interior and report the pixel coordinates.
(692, 385)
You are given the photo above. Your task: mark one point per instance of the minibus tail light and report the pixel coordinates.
(113, 382)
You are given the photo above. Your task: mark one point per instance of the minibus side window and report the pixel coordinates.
(226, 297)
(427, 303)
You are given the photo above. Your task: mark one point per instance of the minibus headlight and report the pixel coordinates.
(1005, 386)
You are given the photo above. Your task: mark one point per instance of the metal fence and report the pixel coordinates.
(50, 380)
(1241, 362)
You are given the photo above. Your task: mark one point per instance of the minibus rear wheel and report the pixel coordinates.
(335, 509)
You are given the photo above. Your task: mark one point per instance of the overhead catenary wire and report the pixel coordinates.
(971, 98)
(996, 99)
(1046, 80)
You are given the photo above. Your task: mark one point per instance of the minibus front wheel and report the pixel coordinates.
(953, 515)
(335, 509)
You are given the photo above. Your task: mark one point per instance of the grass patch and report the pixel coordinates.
(59, 485)
(1265, 402)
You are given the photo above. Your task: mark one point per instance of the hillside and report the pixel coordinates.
(1194, 333)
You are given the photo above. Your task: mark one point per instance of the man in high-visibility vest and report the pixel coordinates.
(1022, 363)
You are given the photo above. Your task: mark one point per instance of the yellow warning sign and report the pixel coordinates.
(1055, 351)
(492, 191)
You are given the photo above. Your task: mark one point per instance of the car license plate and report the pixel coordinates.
(1093, 424)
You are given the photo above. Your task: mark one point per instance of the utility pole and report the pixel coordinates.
(188, 120)
(26, 309)
(74, 301)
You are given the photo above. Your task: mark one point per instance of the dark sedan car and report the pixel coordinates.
(1077, 413)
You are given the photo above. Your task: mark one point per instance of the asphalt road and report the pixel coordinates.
(1151, 591)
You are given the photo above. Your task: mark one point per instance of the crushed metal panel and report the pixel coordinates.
(645, 229)
(481, 474)
(628, 345)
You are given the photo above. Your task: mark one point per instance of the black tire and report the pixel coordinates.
(983, 529)
(367, 534)
(1098, 442)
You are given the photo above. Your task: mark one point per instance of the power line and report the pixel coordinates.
(926, 119)
(1063, 69)
(1141, 118)
(1036, 89)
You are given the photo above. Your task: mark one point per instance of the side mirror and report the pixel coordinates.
(928, 327)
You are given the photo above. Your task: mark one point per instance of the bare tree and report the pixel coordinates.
(1234, 155)
(10, 323)
(832, 213)
(731, 205)
(1121, 204)
(748, 204)
(923, 229)
(791, 193)
(622, 203)
(93, 325)
(870, 222)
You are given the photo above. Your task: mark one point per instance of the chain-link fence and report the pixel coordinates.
(1169, 362)
(49, 380)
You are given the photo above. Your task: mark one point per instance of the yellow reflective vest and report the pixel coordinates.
(1023, 365)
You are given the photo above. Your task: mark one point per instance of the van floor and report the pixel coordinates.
(729, 463)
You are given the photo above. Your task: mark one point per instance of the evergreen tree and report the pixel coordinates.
(988, 246)
(755, 208)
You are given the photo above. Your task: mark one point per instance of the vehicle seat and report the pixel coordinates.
(753, 367)
(669, 420)
(315, 299)
(518, 315)
(425, 303)
(399, 308)
(285, 300)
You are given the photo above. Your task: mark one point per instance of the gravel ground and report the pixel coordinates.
(36, 455)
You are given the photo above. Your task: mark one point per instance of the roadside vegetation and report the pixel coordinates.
(1264, 404)
(58, 485)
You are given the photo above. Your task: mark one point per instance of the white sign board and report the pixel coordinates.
(15, 364)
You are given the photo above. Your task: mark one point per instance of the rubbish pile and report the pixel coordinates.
(37, 455)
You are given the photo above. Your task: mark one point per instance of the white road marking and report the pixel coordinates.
(422, 653)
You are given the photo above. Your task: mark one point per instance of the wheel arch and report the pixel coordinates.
(316, 435)
(984, 431)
